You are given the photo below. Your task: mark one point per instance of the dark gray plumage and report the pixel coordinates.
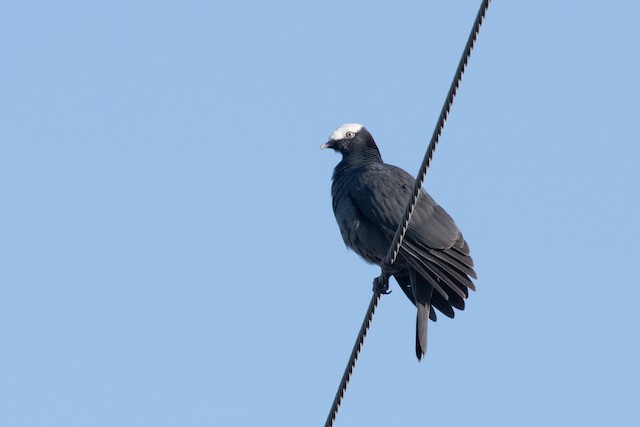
(369, 198)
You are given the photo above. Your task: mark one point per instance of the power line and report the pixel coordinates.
(394, 248)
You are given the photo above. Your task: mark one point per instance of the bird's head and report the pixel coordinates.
(353, 141)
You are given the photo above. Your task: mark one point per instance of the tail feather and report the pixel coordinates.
(422, 292)
(422, 326)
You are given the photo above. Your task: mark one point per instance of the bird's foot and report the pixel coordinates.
(381, 284)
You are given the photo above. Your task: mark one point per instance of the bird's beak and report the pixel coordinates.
(328, 144)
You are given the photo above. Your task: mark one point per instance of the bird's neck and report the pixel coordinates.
(360, 158)
(350, 163)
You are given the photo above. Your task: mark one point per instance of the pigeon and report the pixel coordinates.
(434, 265)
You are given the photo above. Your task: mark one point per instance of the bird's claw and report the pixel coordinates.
(381, 284)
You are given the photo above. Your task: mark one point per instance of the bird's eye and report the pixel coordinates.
(350, 135)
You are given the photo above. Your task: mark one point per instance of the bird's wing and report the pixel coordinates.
(382, 193)
(433, 243)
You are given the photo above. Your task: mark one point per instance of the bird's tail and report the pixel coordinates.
(422, 291)
(422, 325)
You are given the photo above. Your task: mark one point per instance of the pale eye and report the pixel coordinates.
(350, 135)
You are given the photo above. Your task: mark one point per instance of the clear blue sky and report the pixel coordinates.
(169, 254)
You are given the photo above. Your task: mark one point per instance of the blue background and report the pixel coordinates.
(169, 254)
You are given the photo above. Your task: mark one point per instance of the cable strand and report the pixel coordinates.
(346, 376)
(401, 231)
